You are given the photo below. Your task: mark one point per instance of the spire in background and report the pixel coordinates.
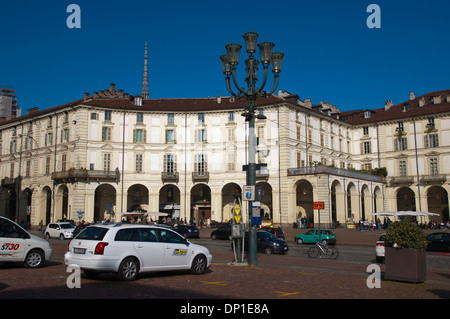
(145, 94)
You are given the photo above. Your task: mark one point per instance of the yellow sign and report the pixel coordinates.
(237, 213)
(180, 251)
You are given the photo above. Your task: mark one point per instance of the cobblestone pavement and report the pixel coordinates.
(275, 277)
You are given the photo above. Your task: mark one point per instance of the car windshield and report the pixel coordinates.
(66, 226)
(92, 233)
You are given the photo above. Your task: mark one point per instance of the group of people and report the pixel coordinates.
(302, 222)
(436, 225)
(365, 224)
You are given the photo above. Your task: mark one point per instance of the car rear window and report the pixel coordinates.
(92, 233)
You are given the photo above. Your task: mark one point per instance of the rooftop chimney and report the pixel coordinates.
(387, 105)
(412, 96)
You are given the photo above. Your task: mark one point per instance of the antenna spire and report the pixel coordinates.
(145, 94)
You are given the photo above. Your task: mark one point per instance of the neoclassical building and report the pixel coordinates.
(111, 152)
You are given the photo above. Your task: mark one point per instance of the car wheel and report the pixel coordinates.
(198, 265)
(268, 250)
(61, 237)
(299, 241)
(213, 236)
(47, 235)
(34, 259)
(128, 269)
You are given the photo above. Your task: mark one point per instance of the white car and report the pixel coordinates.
(379, 249)
(17, 245)
(59, 230)
(130, 249)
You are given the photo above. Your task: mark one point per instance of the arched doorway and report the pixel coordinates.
(406, 199)
(137, 198)
(105, 201)
(28, 198)
(62, 203)
(377, 199)
(201, 203)
(230, 193)
(337, 203)
(437, 198)
(169, 200)
(365, 202)
(265, 193)
(352, 202)
(304, 200)
(46, 203)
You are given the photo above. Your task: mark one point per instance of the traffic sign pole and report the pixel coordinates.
(319, 206)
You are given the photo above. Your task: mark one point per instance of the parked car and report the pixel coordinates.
(268, 243)
(187, 231)
(439, 242)
(131, 249)
(277, 231)
(379, 249)
(17, 245)
(59, 230)
(312, 237)
(223, 232)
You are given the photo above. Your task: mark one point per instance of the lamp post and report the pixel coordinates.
(229, 62)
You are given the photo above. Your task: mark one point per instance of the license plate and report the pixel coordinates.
(79, 251)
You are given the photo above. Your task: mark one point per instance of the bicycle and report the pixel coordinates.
(324, 251)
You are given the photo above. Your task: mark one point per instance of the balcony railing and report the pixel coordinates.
(436, 178)
(401, 180)
(74, 175)
(322, 169)
(200, 177)
(170, 177)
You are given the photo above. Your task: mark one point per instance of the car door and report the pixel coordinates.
(53, 230)
(150, 251)
(177, 252)
(13, 241)
(309, 236)
(435, 241)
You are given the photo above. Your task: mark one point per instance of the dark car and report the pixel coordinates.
(277, 231)
(223, 232)
(268, 243)
(187, 231)
(439, 242)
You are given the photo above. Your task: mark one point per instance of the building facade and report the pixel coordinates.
(111, 152)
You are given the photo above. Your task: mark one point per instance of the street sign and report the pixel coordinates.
(249, 193)
(318, 205)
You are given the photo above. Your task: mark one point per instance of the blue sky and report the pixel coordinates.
(330, 53)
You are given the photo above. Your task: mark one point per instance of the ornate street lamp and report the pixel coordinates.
(229, 62)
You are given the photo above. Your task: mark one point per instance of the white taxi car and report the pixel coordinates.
(130, 249)
(17, 245)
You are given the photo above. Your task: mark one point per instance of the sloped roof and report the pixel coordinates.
(398, 112)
